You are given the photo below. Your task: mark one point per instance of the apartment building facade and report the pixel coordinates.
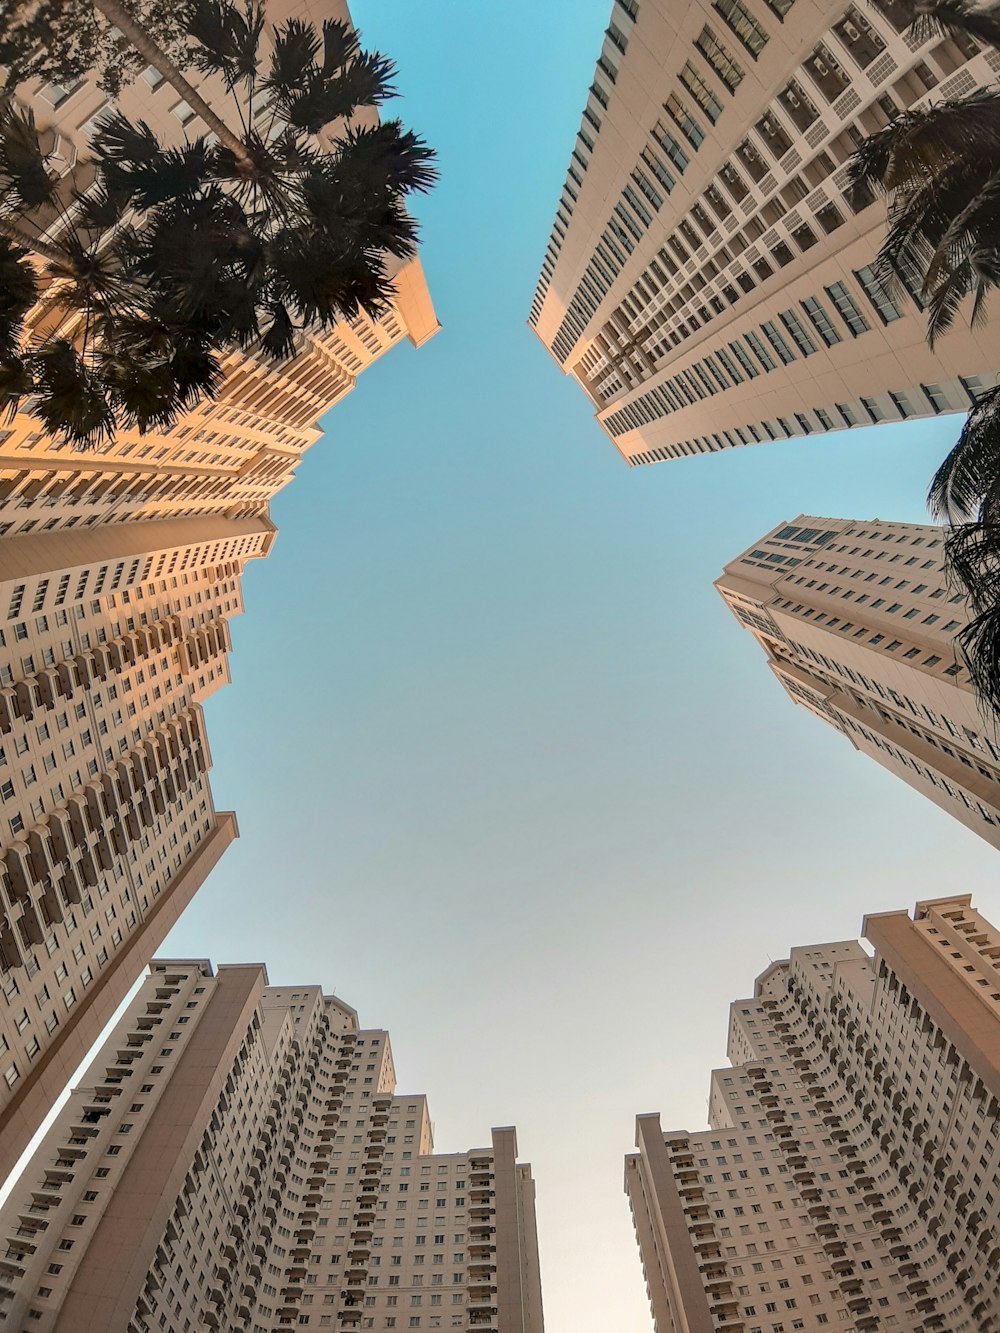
(708, 282)
(857, 621)
(238, 1158)
(850, 1177)
(120, 571)
(231, 455)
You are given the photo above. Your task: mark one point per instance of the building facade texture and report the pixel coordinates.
(120, 571)
(238, 1159)
(858, 620)
(851, 1175)
(708, 282)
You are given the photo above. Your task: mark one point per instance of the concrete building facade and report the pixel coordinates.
(850, 1177)
(230, 455)
(857, 621)
(120, 570)
(708, 282)
(238, 1159)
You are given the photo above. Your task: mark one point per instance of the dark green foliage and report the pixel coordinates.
(949, 18)
(72, 400)
(967, 484)
(174, 254)
(61, 41)
(227, 39)
(939, 166)
(18, 293)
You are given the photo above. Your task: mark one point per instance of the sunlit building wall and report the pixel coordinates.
(237, 1158)
(851, 1175)
(708, 282)
(858, 620)
(120, 571)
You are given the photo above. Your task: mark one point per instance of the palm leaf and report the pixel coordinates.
(24, 172)
(18, 293)
(914, 146)
(971, 471)
(341, 45)
(228, 39)
(950, 18)
(71, 400)
(293, 59)
(16, 383)
(195, 370)
(278, 340)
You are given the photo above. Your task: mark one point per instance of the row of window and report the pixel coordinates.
(591, 125)
(759, 351)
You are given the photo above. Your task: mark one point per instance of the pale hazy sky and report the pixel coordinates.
(509, 776)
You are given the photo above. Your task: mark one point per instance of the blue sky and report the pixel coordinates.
(509, 776)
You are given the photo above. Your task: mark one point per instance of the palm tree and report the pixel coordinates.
(939, 167)
(965, 494)
(322, 214)
(274, 225)
(103, 346)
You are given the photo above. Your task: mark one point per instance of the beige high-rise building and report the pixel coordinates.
(230, 455)
(707, 282)
(851, 1175)
(238, 1159)
(858, 622)
(119, 572)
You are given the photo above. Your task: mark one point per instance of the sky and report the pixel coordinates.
(509, 776)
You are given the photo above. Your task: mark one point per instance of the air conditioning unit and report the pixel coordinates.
(851, 32)
(792, 99)
(821, 67)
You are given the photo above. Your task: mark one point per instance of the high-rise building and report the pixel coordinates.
(238, 1159)
(708, 282)
(858, 622)
(112, 638)
(851, 1174)
(231, 455)
(119, 571)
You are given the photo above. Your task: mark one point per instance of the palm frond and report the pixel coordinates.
(71, 400)
(227, 37)
(18, 293)
(385, 157)
(195, 370)
(321, 281)
(16, 383)
(971, 471)
(24, 171)
(293, 58)
(118, 141)
(278, 340)
(341, 44)
(142, 392)
(950, 18)
(919, 142)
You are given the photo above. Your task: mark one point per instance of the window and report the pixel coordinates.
(670, 146)
(820, 321)
(701, 92)
(763, 355)
(847, 309)
(685, 122)
(785, 353)
(729, 70)
(878, 294)
(937, 397)
(740, 21)
(798, 333)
